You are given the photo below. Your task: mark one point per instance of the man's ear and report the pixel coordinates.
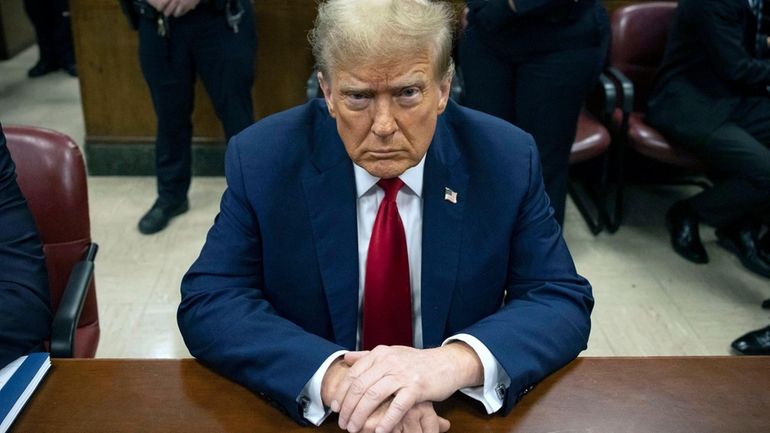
(444, 88)
(326, 88)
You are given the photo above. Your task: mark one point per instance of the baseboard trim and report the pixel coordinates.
(138, 159)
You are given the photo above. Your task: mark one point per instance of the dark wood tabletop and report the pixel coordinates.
(613, 395)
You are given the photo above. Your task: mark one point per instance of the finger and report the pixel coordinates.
(365, 374)
(429, 421)
(402, 402)
(373, 398)
(410, 423)
(443, 424)
(351, 379)
(353, 357)
(168, 9)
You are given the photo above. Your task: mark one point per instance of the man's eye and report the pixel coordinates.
(410, 92)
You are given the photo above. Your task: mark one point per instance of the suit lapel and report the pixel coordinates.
(331, 201)
(441, 232)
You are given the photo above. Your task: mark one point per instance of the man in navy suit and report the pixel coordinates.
(282, 297)
(25, 315)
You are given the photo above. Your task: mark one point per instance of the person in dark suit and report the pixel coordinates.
(51, 20)
(25, 314)
(711, 97)
(533, 63)
(180, 40)
(386, 234)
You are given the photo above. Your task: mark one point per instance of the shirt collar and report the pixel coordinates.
(412, 178)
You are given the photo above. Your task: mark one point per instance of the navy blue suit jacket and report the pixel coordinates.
(275, 289)
(25, 315)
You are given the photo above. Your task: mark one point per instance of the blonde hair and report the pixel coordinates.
(351, 32)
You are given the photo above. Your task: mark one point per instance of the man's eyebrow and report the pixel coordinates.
(353, 88)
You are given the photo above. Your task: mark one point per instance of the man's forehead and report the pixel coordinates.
(385, 72)
(382, 76)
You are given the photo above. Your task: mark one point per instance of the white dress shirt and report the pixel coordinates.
(409, 202)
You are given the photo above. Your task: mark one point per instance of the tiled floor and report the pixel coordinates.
(648, 300)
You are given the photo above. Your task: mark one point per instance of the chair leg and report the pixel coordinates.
(613, 212)
(592, 202)
(581, 197)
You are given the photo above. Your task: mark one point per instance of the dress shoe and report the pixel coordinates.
(743, 243)
(71, 70)
(685, 238)
(754, 343)
(157, 218)
(763, 246)
(41, 68)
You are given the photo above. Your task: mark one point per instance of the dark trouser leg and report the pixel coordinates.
(168, 70)
(489, 81)
(739, 156)
(225, 62)
(62, 33)
(538, 96)
(548, 103)
(42, 16)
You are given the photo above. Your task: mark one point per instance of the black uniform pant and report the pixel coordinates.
(198, 43)
(541, 93)
(738, 157)
(51, 20)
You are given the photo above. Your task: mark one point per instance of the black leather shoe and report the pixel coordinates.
(685, 238)
(71, 70)
(763, 246)
(157, 218)
(743, 243)
(754, 343)
(41, 68)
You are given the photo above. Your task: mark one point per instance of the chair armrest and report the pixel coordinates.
(67, 315)
(609, 91)
(603, 99)
(626, 89)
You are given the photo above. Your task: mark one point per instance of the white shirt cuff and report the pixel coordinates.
(310, 397)
(496, 380)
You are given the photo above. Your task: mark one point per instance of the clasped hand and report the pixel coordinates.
(176, 8)
(391, 388)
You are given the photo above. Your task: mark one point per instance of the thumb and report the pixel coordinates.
(443, 424)
(352, 357)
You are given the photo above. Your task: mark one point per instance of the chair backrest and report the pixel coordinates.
(639, 35)
(52, 176)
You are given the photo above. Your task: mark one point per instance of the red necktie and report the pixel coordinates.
(387, 317)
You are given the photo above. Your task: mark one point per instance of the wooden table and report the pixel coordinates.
(597, 395)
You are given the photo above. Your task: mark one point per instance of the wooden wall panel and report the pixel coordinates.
(16, 32)
(116, 101)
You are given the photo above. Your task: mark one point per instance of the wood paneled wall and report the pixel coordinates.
(116, 102)
(16, 32)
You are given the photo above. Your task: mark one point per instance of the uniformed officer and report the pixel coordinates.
(179, 39)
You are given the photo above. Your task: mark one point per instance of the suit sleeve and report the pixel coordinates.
(545, 320)
(25, 315)
(718, 24)
(225, 319)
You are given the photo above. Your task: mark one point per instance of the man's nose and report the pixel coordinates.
(384, 123)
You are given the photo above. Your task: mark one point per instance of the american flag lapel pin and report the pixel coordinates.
(450, 195)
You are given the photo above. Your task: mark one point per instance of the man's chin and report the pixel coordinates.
(386, 169)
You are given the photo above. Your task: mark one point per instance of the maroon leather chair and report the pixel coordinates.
(639, 35)
(52, 176)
